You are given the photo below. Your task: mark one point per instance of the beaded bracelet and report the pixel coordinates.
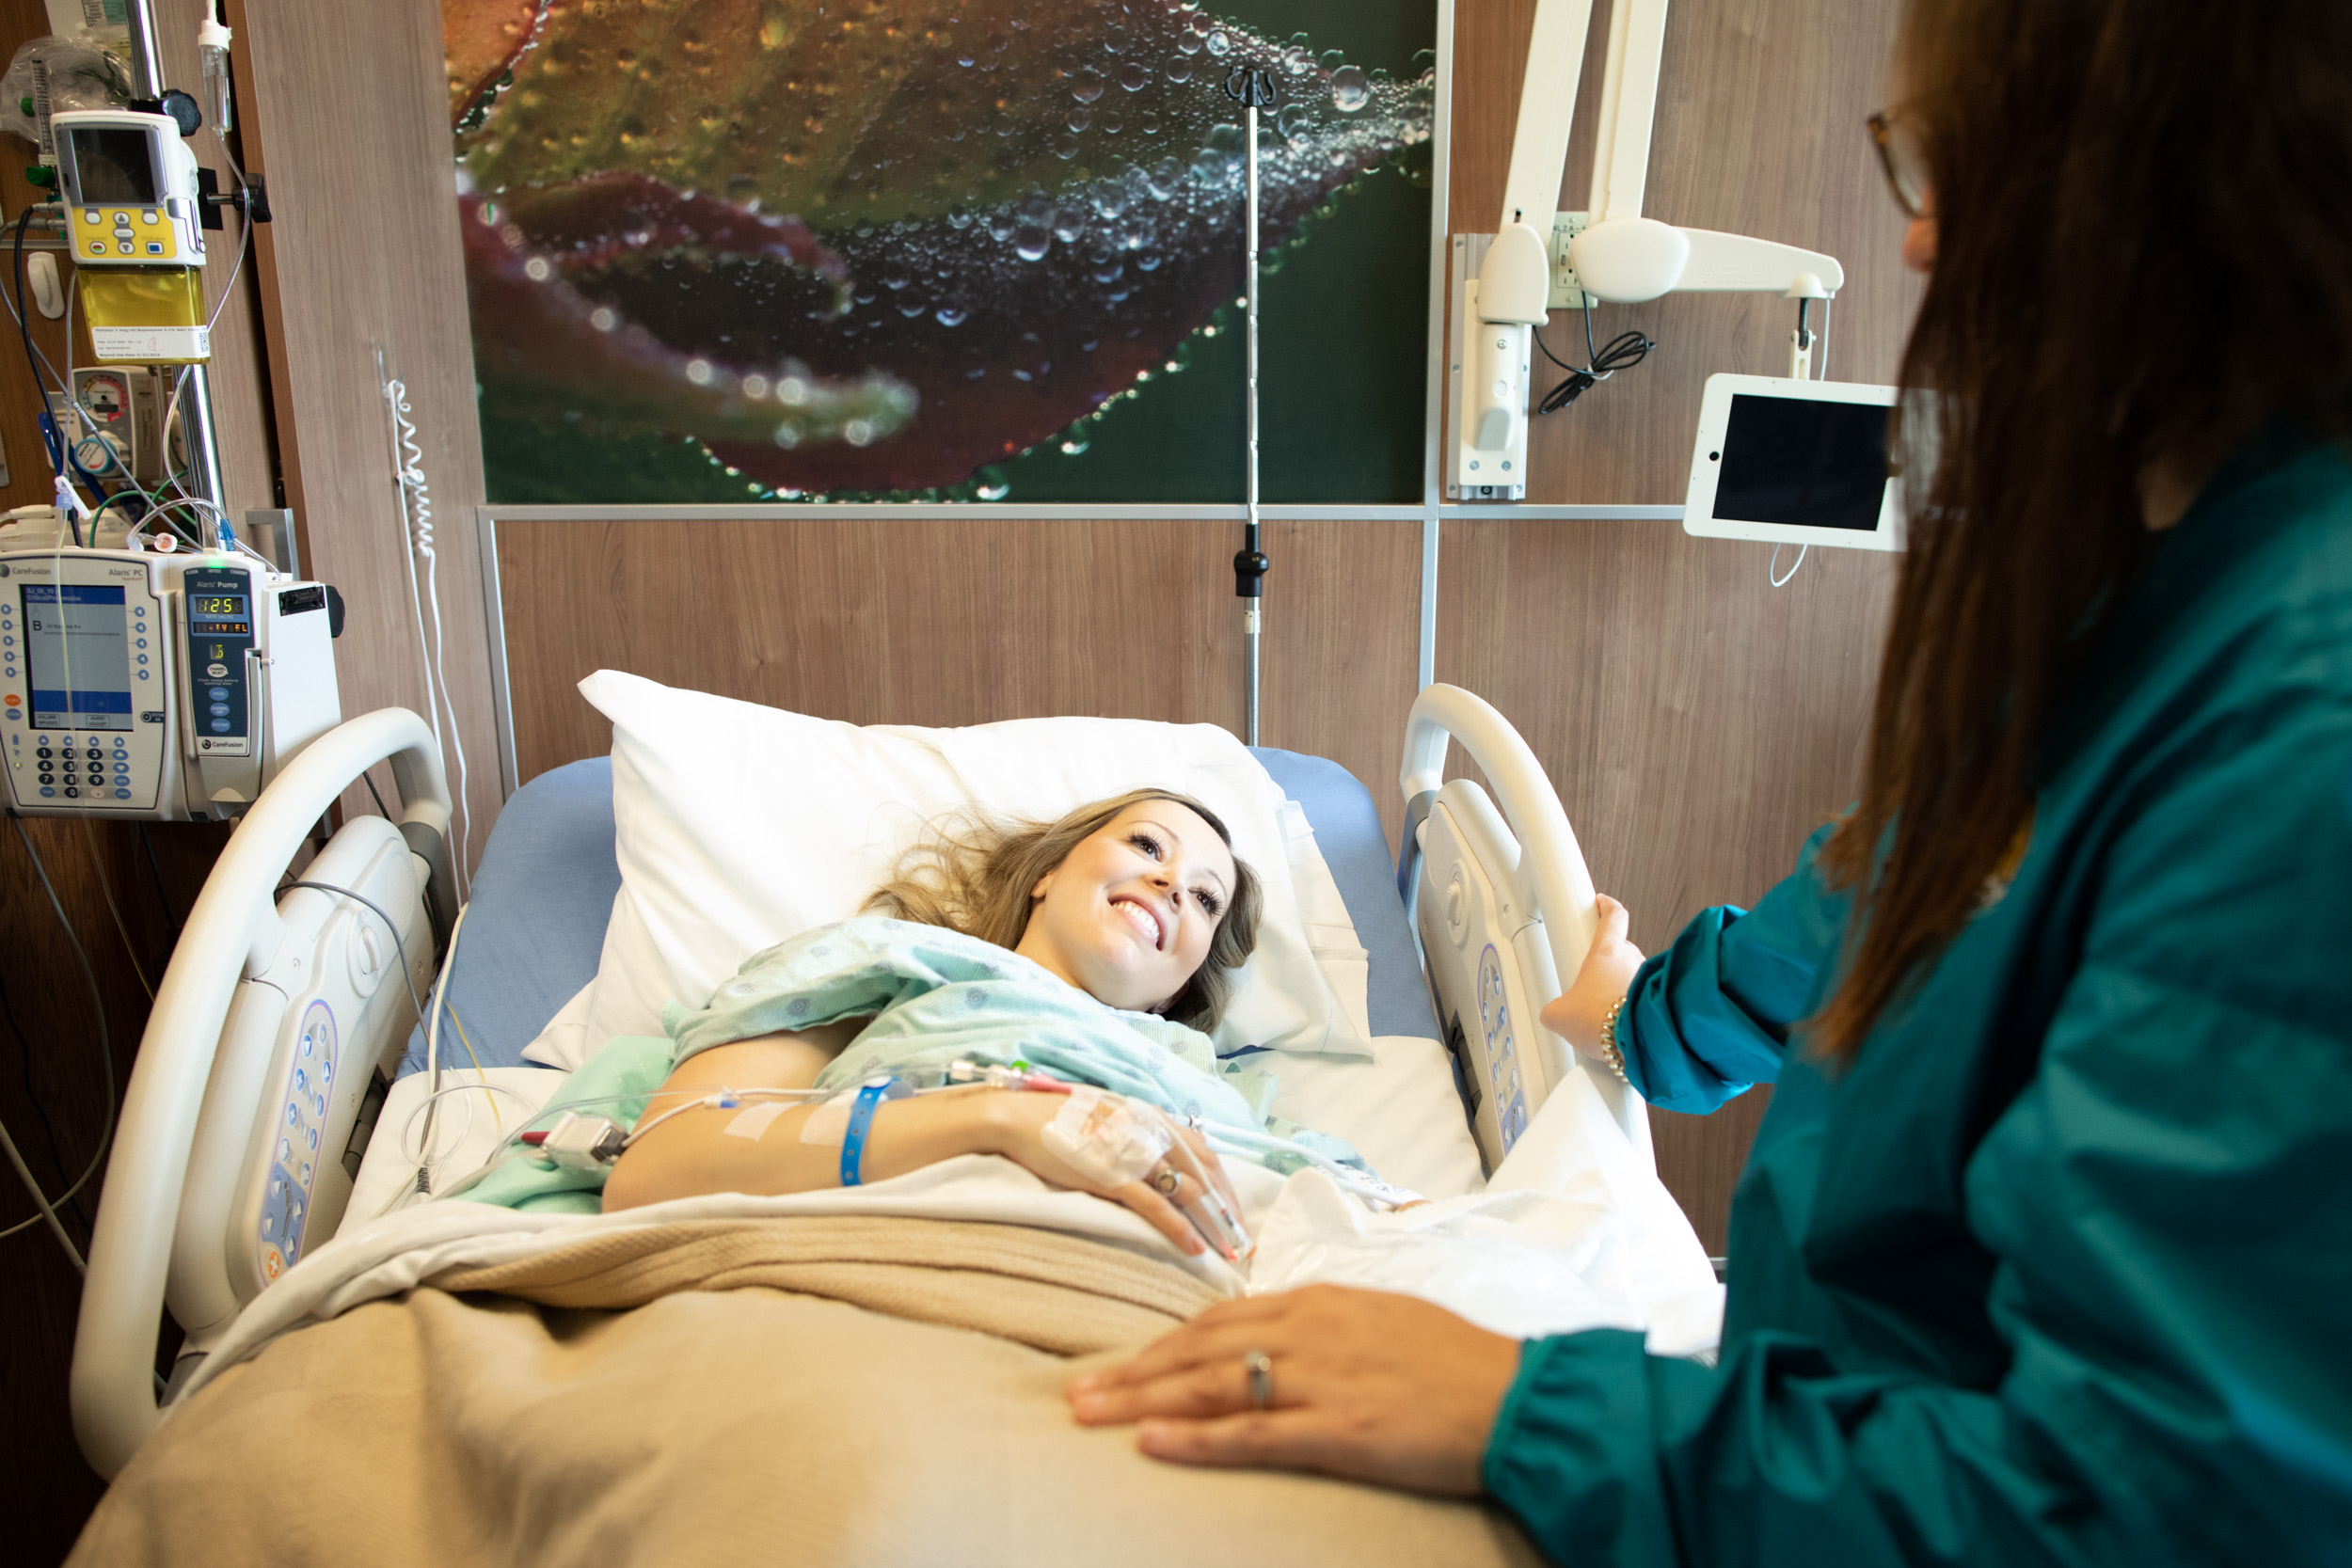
(1609, 1048)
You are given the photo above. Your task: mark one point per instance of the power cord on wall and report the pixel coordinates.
(416, 510)
(1624, 351)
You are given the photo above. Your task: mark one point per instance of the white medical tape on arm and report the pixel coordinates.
(753, 1121)
(829, 1123)
(1106, 1140)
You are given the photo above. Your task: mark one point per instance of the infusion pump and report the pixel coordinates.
(164, 688)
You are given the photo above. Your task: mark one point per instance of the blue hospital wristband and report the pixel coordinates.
(872, 1094)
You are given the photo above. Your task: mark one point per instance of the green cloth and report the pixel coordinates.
(935, 997)
(2058, 1273)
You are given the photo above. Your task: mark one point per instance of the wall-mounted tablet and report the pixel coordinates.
(1794, 462)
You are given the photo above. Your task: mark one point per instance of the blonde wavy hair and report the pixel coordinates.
(972, 873)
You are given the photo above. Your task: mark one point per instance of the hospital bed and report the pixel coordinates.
(288, 1006)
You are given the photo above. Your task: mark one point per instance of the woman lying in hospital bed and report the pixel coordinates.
(1097, 948)
(711, 1348)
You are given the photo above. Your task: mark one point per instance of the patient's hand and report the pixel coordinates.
(1019, 1120)
(1374, 1386)
(1577, 1015)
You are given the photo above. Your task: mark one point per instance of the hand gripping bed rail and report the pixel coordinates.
(232, 932)
(1553, 879)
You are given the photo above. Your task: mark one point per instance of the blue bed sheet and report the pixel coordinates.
(544, 893)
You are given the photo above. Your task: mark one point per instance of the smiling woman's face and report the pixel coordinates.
(1128, 915)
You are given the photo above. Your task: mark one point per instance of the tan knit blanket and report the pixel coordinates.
(822, 1391)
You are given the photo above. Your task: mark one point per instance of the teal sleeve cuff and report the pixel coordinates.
(1574, 1452)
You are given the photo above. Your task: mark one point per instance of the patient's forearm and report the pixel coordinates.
(694, 1153)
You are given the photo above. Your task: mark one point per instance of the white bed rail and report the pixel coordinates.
(1553, 879)
(232, 932)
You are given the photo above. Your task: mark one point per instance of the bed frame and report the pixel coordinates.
(190, 1179)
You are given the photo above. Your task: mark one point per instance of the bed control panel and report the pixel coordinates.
(302, 1136)
(1489, 966)
(304, 1041)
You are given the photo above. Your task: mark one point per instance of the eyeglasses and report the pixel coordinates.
(1904, 160)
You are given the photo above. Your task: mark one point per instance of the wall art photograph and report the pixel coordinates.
(753, 250)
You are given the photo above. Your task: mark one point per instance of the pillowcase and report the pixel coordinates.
(738, 826)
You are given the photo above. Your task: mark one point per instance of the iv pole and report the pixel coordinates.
(1252, 89)
(196, 400)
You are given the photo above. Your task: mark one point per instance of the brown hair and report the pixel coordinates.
(972, 873)
(2144, 211)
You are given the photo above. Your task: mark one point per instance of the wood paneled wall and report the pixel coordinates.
(348, 109)
(956, 622)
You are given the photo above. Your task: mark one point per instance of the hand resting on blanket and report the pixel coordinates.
(1139, 902)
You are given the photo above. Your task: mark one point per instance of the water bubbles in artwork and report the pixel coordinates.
(1110, 197)
(1331, 60)
(959, 216)
(1087, 85)
(992, 485)
(1210, 167)
(1220, 42)
(1031, 242)
(1066, 145)
(1179, 71)
(1134, 76)
(1349, 90)
(1069, 222)
(950, 315)
(1080, 117)
(1296, 60)
(1167, 177)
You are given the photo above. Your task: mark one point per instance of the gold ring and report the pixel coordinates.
(1260, 1368)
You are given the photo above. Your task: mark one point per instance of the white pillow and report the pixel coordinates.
(738, 826)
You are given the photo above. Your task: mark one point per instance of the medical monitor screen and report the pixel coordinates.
(79, 650)
(1804, 462)
(113, 167)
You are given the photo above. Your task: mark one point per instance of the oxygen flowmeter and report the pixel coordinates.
(134, 223)
(168, 687)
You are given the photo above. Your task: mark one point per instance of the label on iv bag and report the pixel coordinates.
(152, 346)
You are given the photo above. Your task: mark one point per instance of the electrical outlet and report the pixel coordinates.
(1566, 294)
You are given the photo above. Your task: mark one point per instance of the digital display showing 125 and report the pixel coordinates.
(219, 614)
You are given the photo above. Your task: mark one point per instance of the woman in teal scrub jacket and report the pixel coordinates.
(2044, 1250)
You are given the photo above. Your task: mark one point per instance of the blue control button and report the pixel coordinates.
(47, 793)
(123, 795)
(142, 642)
(219, 694)
(220, 710)
(220, 726)
(154, 249)
(142, 658)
